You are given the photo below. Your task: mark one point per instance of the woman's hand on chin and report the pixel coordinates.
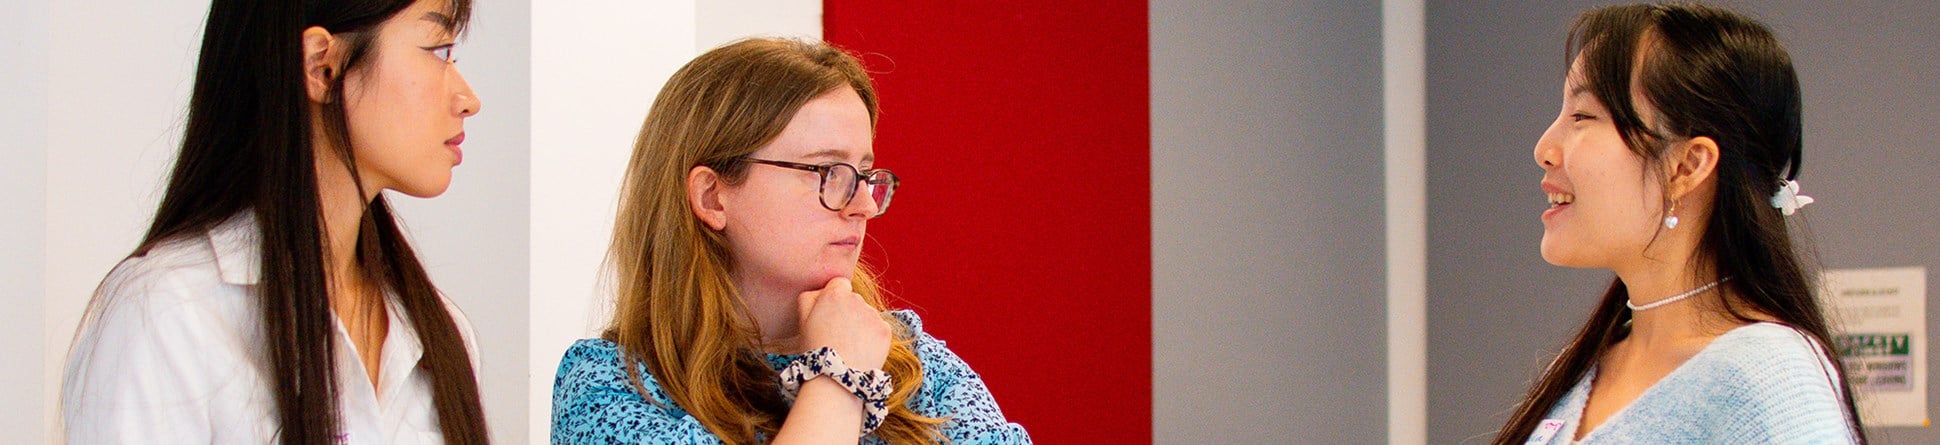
(837, 317)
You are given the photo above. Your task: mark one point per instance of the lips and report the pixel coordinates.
(452, 144)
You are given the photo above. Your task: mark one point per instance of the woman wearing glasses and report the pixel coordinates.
(742, 313)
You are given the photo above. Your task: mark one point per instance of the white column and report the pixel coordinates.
(1404, 159)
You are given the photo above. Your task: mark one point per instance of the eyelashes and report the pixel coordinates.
(443, 52)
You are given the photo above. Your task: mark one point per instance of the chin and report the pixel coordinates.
(430, 189)
(1563, 259)
(832, 271)
(1555, 255)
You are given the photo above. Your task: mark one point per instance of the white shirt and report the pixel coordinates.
(171, 352)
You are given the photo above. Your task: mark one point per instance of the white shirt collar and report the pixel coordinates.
(238, 252)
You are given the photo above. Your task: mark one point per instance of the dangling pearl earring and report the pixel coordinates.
(1670, 222)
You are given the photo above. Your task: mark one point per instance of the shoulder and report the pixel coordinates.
(590, 361)
(594, 367)
(953, 391)
(214, 268)
(161, 338)
(941, 367)
(1766, 354)
(170, 271)
(593, 401)
(590, 352)
(1772, 381)
(174, 290)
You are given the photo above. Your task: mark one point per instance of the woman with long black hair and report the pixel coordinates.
(1673, 163)
(274, 298)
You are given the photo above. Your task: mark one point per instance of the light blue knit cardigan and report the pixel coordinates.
(1762, 383)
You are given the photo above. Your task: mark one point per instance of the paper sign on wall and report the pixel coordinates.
(1883, 340)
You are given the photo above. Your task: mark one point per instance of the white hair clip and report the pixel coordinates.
(1788, 199)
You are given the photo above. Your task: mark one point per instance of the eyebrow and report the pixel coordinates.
(443, 20)
(840, 155)
(1579, 90)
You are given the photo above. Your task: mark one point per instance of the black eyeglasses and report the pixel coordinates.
(839, 182)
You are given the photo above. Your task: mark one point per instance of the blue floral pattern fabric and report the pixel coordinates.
(592, 402)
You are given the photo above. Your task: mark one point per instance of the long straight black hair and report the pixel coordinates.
(1709, 72)
(247, 147)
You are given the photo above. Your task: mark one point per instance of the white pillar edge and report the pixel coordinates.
(1404, 159)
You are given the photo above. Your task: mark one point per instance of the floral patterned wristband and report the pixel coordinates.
(872, 386)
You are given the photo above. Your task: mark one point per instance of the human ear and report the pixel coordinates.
(704, 195)
(319, 63)
(1692, 164)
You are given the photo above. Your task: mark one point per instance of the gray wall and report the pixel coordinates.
(1498, 313)
(1268, 299)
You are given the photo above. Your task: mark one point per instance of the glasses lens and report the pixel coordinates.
(838, 186)
(882, 187)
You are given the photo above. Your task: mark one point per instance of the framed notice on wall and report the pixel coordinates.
(1881, 316)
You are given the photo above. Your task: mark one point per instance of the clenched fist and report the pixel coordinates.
(837, 317)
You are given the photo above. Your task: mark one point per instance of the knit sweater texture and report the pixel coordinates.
(1762, 383)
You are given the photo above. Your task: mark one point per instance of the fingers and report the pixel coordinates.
(836, 286)
(839, 285)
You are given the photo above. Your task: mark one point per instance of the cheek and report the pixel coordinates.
(393, 116)
(370, 108)
(396, 95)
(765, 224)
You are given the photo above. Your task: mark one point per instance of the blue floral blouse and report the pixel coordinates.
(592, 402)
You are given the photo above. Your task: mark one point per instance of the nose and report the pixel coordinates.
(1548, 149)
(464, 102)
(864, 205)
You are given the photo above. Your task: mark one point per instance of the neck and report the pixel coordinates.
(1662, 271)
(1695, 317)
(775, 311)
(343, 207)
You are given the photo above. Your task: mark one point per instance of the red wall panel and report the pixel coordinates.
(1022, 231)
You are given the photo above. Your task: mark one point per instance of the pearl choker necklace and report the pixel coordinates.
(1635, 308)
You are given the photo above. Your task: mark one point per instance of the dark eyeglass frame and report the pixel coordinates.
(824, 172)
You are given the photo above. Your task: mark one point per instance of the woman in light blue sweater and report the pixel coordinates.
(1673, 163)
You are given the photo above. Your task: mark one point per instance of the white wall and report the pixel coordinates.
(722, 21)
(114, 116)
(593, 76)
(23, 185)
